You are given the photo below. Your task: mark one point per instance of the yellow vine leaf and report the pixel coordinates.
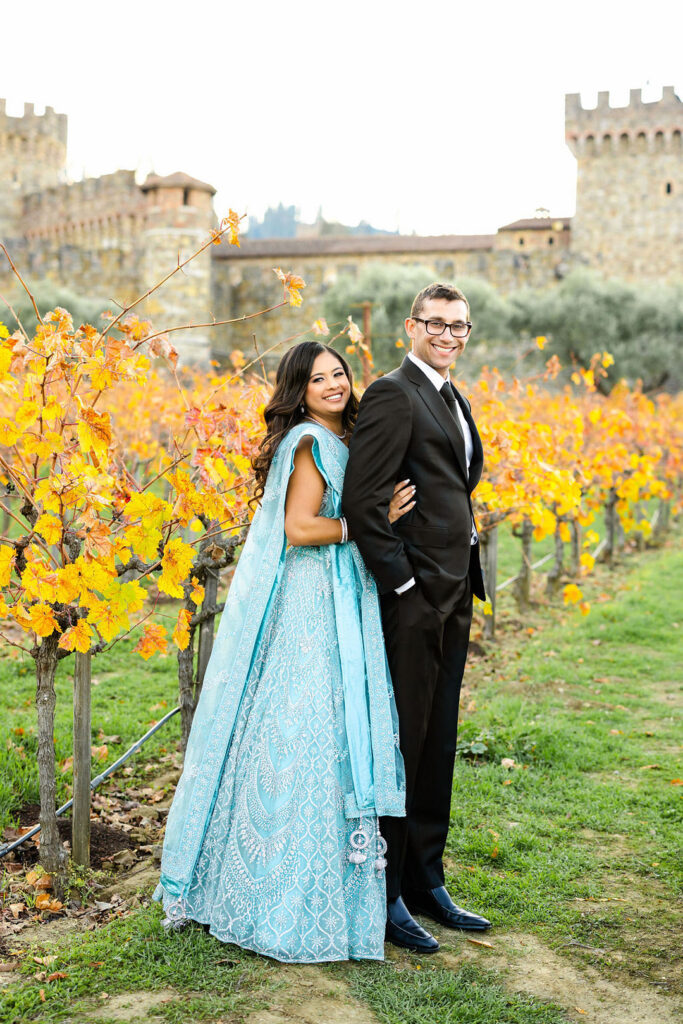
(175, 566)
(49, 528)
(197, 592)
(152, 640)
(27, 414)
(181, 633)
(40, 581)
(94, 431)
(571, 594)
(7, 559)
(144, 540)
(8, 433)
(42, 619)
(78, 638)
(5, 362)
(292, 285)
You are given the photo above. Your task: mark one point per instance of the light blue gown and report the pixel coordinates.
(272, 838)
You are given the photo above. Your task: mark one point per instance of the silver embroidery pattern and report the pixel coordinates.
(276, 872)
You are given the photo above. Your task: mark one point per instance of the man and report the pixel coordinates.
(413, 424)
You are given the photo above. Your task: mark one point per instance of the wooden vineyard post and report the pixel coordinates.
(575, 547)
(80, 838)
(610, 526)
(523, 582)
(206, 629)
(489, 551)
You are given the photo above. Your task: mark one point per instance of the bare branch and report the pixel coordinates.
(23, 283)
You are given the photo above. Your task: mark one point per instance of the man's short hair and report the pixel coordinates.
(437, 291)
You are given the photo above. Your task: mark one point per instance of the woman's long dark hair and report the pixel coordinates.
(284, 408)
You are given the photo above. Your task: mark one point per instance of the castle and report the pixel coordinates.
(111, 237)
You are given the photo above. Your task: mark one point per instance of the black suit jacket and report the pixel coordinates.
(405, 431)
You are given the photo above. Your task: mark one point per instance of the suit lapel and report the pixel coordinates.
(439, 410)
(477, 461)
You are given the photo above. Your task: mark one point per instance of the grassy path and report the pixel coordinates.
(573, 851)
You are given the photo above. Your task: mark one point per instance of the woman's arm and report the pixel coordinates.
(303, 525)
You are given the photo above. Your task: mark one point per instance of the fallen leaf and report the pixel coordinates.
(17, 908)
(677, 782)
(44, 882)
(96, 963)
(507, 782)
(42, 995)
(32, 877)
(507, 762)
(480, 942)
(579, 1010)
(124, 858)
(616, 732)
(645, 767)
(44, 960)
(42, 901)
(6, 968)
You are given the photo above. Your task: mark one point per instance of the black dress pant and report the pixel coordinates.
(427, 650)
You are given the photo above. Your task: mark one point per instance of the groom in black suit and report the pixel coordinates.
(413, 424)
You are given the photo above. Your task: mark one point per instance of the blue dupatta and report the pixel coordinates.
(369, 710)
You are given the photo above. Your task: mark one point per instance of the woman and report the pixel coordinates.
(272, 839)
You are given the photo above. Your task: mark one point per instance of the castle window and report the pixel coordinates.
(659, 141)
(623, 142)
(186, 197)
(676, 140)
(641, 142)
(521, 241)
(551, 241)
(607, 142)
(668, 188)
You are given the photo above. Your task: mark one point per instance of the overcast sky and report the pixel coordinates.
(435, 116)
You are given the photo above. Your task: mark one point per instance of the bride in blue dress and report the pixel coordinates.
(272, 839)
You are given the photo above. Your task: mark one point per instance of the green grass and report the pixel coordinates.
(136, 955)
(427, 995)
(124, 694)
(590, 710)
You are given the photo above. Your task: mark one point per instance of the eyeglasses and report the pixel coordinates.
(436, 327)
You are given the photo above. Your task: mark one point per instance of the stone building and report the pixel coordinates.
(111, 237)
(629, 195)
(107, 237)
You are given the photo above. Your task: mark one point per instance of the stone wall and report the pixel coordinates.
(243, 279)
(629, 202)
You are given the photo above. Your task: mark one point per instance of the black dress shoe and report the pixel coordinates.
(437, 904)
(403, 931)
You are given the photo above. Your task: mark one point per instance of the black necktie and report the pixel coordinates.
(448, 396)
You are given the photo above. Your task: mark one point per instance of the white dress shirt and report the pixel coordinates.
(435, 378)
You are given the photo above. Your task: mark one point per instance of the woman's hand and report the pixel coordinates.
(401, 501)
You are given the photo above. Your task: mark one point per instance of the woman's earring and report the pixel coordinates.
(303, 408)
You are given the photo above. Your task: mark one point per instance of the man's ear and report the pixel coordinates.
(409, 325)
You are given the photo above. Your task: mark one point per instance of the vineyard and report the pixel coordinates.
(126, 482)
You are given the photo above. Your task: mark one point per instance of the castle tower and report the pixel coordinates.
(179, 214)
(32, 158)
(629, 197)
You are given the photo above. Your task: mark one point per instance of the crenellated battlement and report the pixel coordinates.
(29, 124)
(637, 128)
(32, 150)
